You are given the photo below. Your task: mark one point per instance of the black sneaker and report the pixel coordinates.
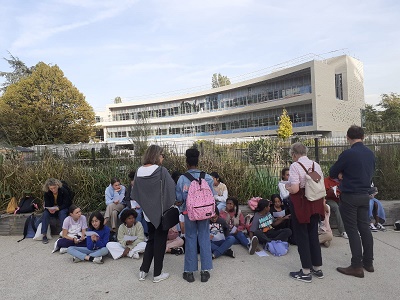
(230, 253)
(177, 251)
(45, 240)
(188, 276)
(317, 274)
(253, 245)
(301, 276)
(205, 275)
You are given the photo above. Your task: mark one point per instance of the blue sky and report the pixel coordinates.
(141, 49)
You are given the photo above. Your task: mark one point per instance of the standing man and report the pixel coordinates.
(356, 166)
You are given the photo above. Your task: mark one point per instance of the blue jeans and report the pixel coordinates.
(219, 247)
(81, 252)
(62, 214)
(197, 231)
(221, 205)
(240, 238)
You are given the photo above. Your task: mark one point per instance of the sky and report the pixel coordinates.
(140, 50)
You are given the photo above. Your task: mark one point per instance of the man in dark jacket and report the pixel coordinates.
(356, 167)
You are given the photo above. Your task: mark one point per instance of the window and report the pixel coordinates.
(339, 86)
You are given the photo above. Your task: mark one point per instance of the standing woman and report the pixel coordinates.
(57, 201)
(154, 190)
(114, 194)
(305, 215)
(195, 231)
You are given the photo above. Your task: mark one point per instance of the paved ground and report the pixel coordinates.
(30, 271)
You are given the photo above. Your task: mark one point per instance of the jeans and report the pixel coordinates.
(197, 231)
(61, 214)
(221, 205)
(335, 209)
(219, 247)
(273, 234)
(240, 238)
(81, 252)
(354, 210)
(155, 248)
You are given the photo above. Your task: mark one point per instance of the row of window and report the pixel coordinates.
(289, 86)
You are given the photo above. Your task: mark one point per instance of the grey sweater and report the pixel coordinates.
(153, 192)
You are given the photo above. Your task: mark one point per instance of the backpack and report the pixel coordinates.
(253, 202)
(67, 187)
(27, 204)
(12, 205)
(277, 248)
(315, 187)
(200, 203)
(30, 227)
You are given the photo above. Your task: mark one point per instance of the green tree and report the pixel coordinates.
(219, 80)
(45, 108)
(285, 129)
(391, 112)
(372, 117)
(20, 71)
(117, 100)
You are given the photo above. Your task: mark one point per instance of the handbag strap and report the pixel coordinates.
(304, 168)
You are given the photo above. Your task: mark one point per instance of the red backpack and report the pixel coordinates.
(200, 203)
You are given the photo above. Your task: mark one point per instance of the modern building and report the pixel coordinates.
(322, 97)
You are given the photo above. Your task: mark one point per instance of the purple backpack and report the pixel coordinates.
(200, 203)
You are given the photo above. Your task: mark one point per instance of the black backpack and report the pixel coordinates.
(27, 204)
(30, 227)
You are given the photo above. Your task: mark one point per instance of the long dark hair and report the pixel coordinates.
(236, 203)
(99, 216)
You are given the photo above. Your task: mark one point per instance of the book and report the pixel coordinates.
(278, 214)
(90, 233)
(130, 238)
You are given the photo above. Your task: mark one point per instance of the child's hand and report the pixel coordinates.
(95, 238)
(126, 251)
(129, 242)
(287, 217)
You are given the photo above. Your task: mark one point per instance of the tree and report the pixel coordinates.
(285, 129)
(372, 117)
(218, 80)
(45, 108)
(391, 112)
(20, 71)
(117, 100)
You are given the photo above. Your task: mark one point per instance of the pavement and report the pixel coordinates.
(30, 271)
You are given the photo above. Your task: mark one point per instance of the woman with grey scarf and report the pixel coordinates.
(154, 190)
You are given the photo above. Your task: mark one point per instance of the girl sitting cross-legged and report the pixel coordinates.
(130, 237)
(96, 240)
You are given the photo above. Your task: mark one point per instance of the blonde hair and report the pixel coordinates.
(152, 155)
(51, 182)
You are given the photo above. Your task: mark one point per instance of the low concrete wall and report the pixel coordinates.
(14, 224)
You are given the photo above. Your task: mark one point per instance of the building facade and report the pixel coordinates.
(321, 97)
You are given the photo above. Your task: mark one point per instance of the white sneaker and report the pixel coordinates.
(76, 260)
(160, 277)
(135, 255)
(253, 245)
(380, 227)
(56, 248)
(344, 235)
(142, 275)
(63, 250)
(98, 260)
(372, 227)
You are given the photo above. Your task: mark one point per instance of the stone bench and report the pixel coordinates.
(14, 224)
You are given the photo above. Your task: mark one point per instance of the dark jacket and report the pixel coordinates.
(63, 199)
(357, 165)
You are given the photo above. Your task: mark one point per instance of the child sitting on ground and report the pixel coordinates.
(73, 231)
(263, 225)
(376, 212)
(130, 237)
(325, 235)
(96, 241)
(174, 242)
(221, 241)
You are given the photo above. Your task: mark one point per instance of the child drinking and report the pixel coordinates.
(73, 231)
(130, 237)
(96, 241)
